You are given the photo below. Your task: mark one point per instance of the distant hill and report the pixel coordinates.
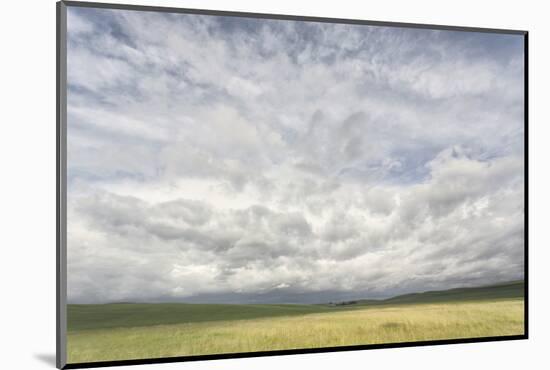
(513, 289)
(97, 316)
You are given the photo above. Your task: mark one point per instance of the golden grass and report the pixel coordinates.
(370, 325)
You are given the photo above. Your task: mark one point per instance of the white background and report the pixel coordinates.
(27, 196)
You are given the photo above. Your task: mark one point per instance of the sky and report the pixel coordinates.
(241, 160)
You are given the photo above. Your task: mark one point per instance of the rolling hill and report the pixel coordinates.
(120, 315)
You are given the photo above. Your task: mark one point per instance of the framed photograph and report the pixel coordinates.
(236, 184)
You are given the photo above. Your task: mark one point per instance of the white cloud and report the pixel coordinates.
(230, 157)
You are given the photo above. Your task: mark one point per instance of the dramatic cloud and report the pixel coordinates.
(226, 159)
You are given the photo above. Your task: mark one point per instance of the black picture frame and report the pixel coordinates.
(61, 184)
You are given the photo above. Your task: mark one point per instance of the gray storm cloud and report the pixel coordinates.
(225, 159)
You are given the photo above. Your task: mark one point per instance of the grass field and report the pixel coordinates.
(135, 331)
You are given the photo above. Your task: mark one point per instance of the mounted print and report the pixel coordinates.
(236, 184)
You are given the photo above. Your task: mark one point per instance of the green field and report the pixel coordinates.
(134, 331)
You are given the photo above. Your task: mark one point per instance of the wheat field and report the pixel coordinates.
(368, 325)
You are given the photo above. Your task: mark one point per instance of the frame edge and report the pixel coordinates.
(61, 196)
(526, 181)
(287, 17)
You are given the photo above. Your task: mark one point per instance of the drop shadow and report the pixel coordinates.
(46, 358)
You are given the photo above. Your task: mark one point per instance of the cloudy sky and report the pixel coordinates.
(226, 159)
